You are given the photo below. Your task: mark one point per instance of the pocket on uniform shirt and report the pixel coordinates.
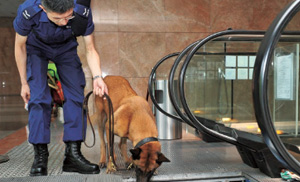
(42, 37)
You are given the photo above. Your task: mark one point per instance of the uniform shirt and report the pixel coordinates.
(43, 34)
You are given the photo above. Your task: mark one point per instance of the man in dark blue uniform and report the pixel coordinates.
(46, 30)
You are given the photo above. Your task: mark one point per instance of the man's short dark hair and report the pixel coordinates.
(58, 6)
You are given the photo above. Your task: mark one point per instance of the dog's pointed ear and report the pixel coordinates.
(136, 153)
(162, 158)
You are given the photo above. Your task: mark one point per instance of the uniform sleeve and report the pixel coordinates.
(90, 27)
(22, 25)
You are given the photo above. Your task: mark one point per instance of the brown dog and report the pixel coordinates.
(133, 120)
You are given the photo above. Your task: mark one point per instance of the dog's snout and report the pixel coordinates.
(143, 176)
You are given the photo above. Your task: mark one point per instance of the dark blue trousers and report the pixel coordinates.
(73, 82)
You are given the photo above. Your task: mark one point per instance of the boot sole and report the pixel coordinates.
(71, 169)
(38, 174)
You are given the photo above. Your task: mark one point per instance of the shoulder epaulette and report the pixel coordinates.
(30, 11)
(82, 10)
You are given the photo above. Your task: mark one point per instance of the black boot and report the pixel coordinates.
(75, 162)
(39, 166)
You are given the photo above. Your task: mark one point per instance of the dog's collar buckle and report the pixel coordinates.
(145, 140)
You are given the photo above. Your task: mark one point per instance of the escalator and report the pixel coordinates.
(211, 92)
(276, 88)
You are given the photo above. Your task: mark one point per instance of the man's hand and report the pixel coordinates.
(25, 92)
(99, 87)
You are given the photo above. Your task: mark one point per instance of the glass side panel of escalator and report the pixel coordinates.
(218, 83)
(283, 89)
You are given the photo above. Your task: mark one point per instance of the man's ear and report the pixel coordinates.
(42, 7)
(161, 158)
(136, 153)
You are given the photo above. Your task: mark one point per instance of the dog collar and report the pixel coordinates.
(145, 140)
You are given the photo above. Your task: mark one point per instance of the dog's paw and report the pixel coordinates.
(110, 170)
(102, 165)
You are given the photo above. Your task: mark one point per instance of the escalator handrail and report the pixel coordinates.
(260, 90)
(171, 84)
(198, 122)
(150, 88)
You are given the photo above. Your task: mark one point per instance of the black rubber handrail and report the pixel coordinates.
(171, 84)
(150, 87)
(260, 86)
(198, 122)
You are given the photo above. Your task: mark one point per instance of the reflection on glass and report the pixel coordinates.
(218, 83)
(283, 88)
(283, 91)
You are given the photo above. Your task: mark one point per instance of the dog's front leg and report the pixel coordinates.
(123, 147)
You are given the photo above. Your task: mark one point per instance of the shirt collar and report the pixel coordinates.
(44, 17)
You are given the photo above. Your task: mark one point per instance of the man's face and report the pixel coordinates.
(60, 19)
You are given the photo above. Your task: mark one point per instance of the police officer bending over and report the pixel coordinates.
(47, 30)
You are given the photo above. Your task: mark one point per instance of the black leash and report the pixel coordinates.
(111, 125)
(86, 110)
(111, 121)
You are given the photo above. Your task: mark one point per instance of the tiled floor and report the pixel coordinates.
(191, 158)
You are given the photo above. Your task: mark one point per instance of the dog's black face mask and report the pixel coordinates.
(142, 176)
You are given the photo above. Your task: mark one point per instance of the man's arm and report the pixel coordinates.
(21, 59)
(93, 60)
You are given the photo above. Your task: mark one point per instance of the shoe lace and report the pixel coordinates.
(77, 152)
(41, 154)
